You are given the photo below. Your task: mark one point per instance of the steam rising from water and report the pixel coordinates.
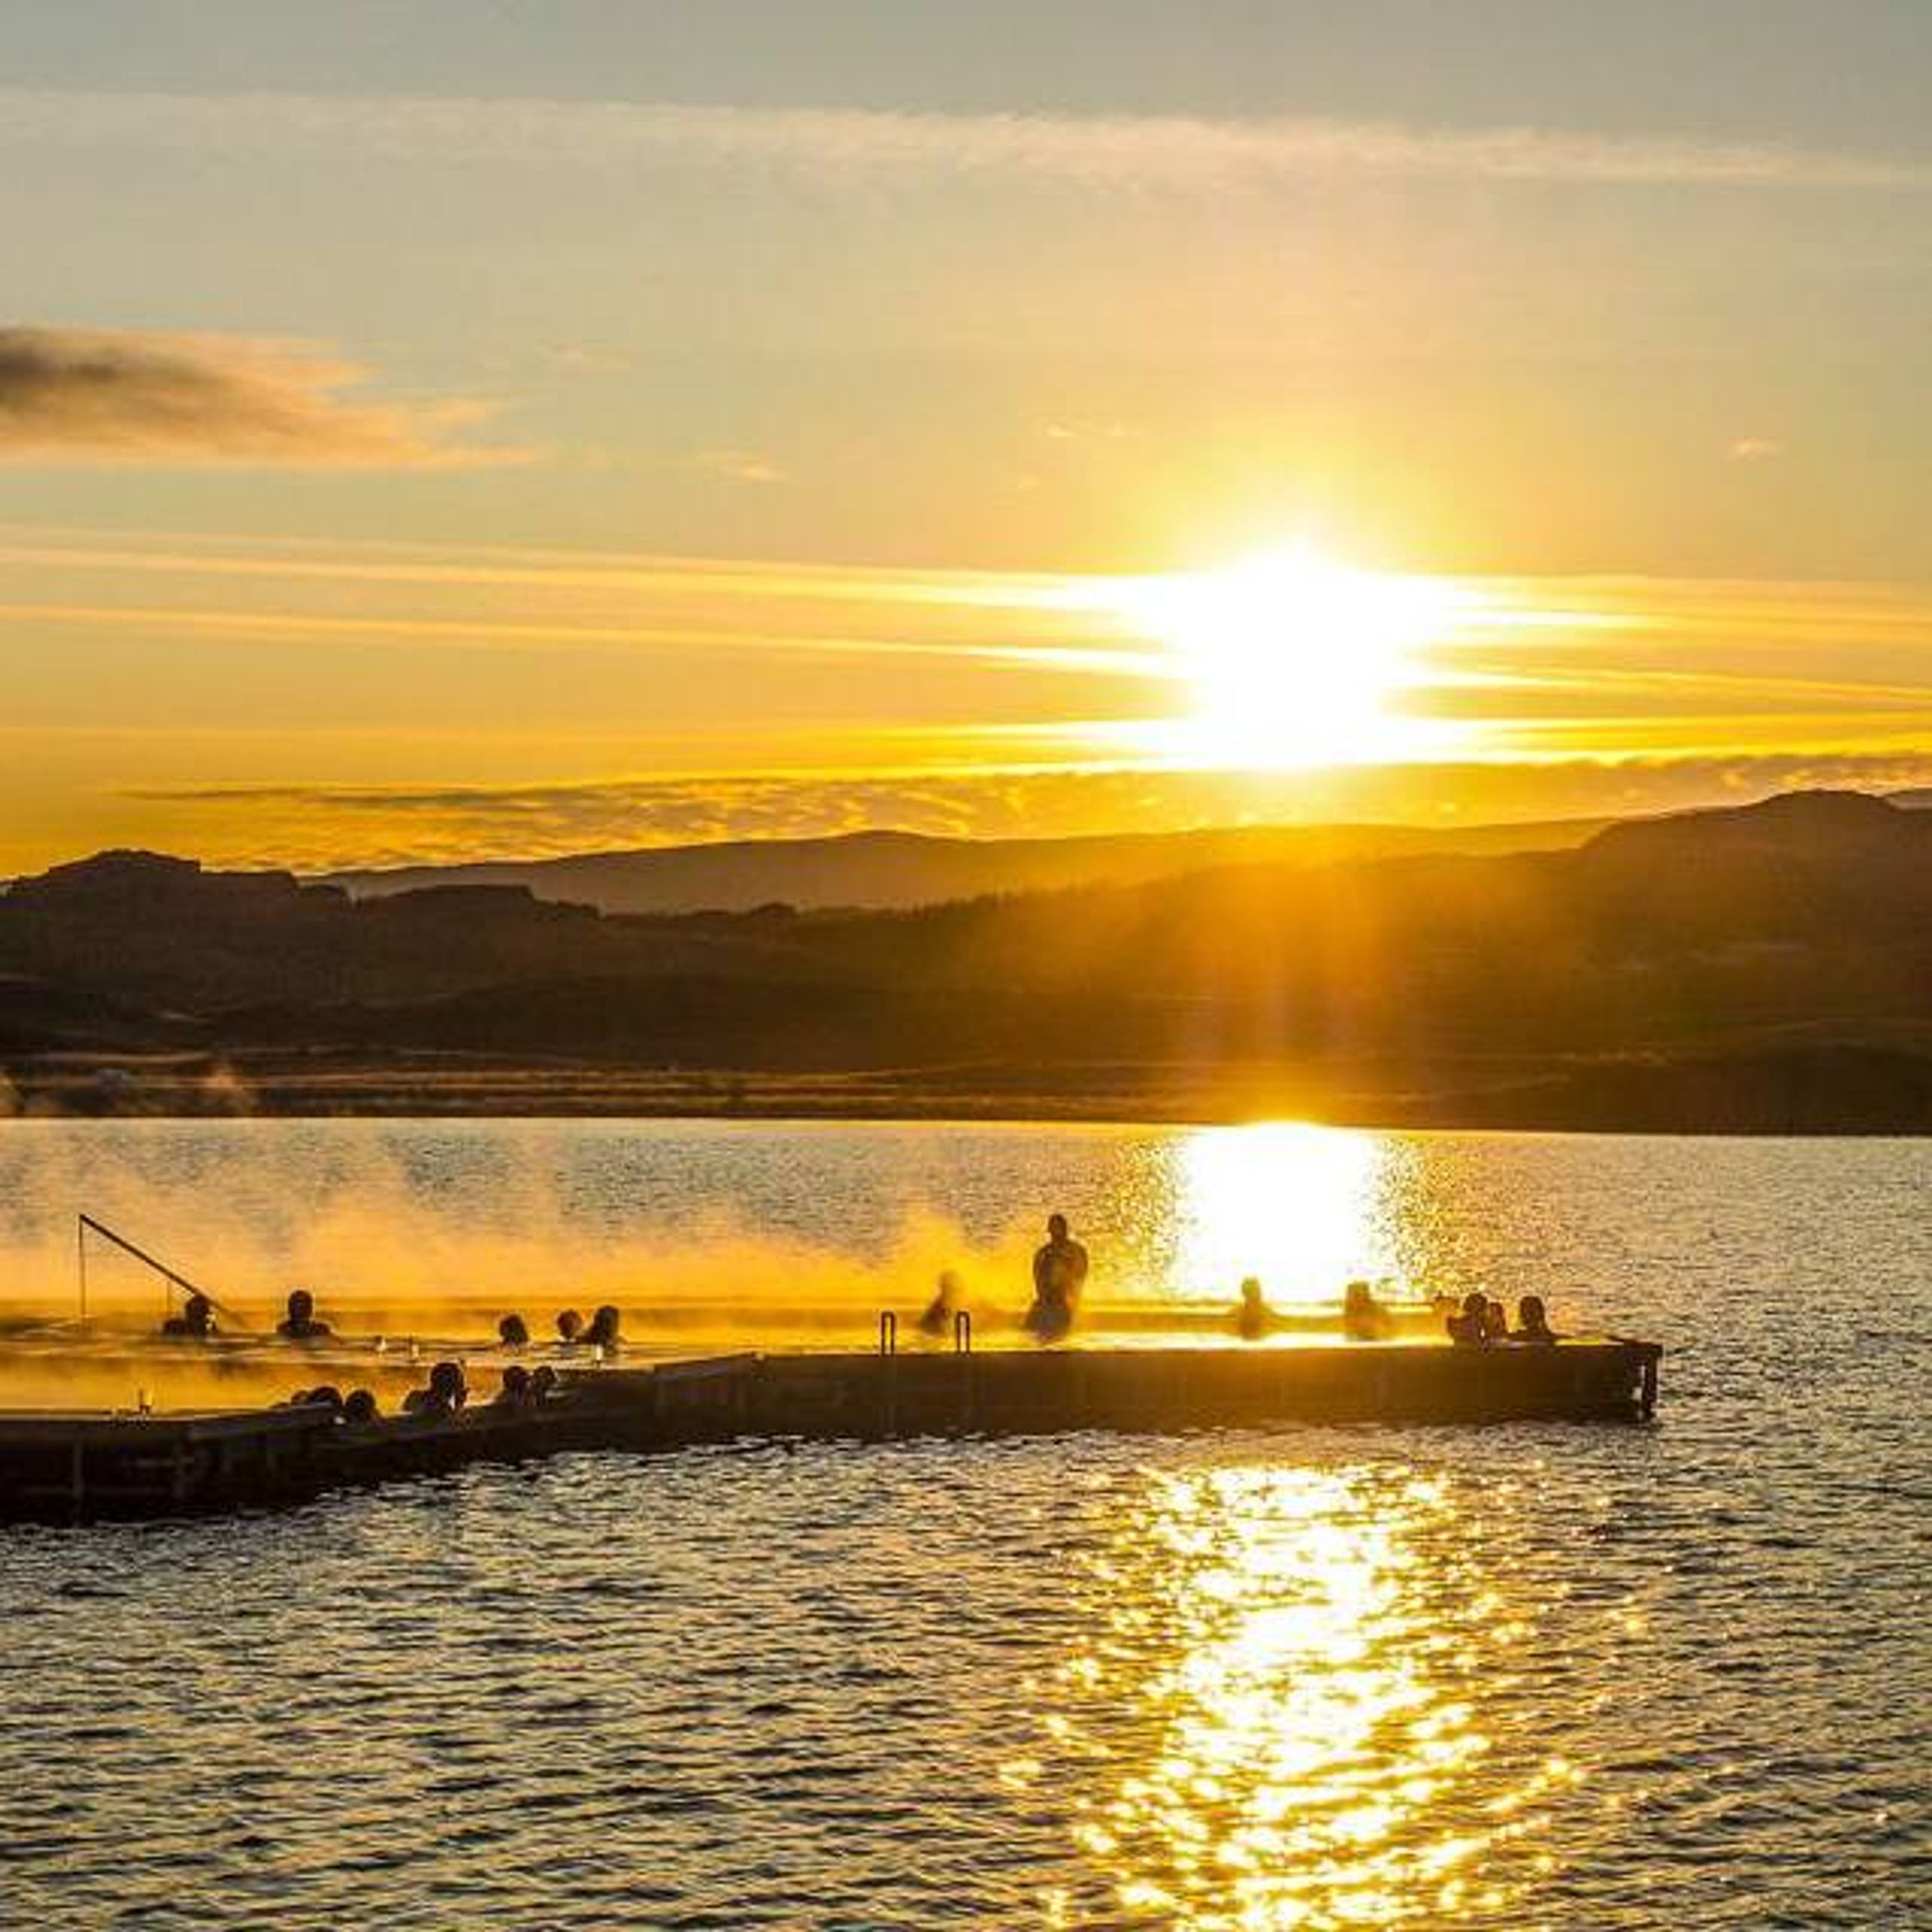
(706, 1236)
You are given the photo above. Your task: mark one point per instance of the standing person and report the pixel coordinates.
(1059, 1274)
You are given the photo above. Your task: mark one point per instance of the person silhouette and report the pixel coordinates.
(945, 1304)
(1060, 1266)
(1253, 1316)
(196, 1320)
(301, 1324)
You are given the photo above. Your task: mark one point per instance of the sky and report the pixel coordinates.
(436, 428)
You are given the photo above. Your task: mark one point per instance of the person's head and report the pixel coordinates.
(1251, 1291)
(446, 1383)
(359, 1405)
(301, 1305)
(328, 1396)
(543, 1380)
(950, 1286)
(1056, 1227)
(1475, 1303)
(1356, 1295)
(196, 1310)
(1530, 1313)
(516, 1383)
(512, 1331)
(570, 1324)
(603, 1324)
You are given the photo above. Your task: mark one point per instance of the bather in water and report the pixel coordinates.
(300, 1323)
(196, 1321)
(446, 1394)
(1363, 1318)
(1532, 1323)
(937, 1320)
(1253, 1317)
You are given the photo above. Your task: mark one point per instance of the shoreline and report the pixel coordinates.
(1630, 1098)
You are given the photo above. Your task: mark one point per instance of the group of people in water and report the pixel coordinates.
(1478, 1319)
(1060, 1267)
(446, 1391)
(603, 1332)
(445, 1394)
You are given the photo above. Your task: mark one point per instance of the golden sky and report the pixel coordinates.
(335, 702)
(623, 426)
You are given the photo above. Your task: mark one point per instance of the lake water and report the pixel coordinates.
(1524, 1677)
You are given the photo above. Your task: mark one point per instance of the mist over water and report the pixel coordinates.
(1509, 1678)
(705, 1235)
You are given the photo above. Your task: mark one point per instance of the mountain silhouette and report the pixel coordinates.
(1788, 941)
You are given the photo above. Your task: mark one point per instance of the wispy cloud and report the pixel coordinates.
(324, 827)
(125, 396)
(739, 467)
(1146, 151)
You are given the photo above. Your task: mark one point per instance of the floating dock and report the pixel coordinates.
(67, 1467)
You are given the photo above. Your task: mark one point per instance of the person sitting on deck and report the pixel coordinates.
(603, 1331)
(301, 1324)
(1253, 1317)
(446, 1394)
(196, 1320)
(937, 1320)
(570, 1326)
(513, 1332)
(515, 1393)
(1495, 1321)
(1363, 1318)
(1532, 1323)
(1059, 1274)
(1471, 1327)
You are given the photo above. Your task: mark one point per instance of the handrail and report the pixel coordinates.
(888, 1333)
(962, 1332)
(86, 1224)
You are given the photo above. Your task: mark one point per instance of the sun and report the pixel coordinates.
(1292, 659)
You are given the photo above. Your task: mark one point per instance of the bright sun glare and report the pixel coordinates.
(1293, 659)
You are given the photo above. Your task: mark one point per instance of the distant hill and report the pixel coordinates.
(1767, 967)
(887, 869)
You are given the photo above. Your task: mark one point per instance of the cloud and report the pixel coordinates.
(1753, 449)
(126, 395)
(322, 827)
(1145, 151)
(739, 467)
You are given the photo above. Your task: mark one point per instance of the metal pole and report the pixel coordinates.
(161, 1267)
(80, 1257)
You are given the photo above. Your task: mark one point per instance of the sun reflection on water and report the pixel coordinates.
(1289, 1650)
(1301, 1207)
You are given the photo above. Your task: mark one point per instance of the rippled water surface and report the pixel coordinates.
(1524, 1677)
